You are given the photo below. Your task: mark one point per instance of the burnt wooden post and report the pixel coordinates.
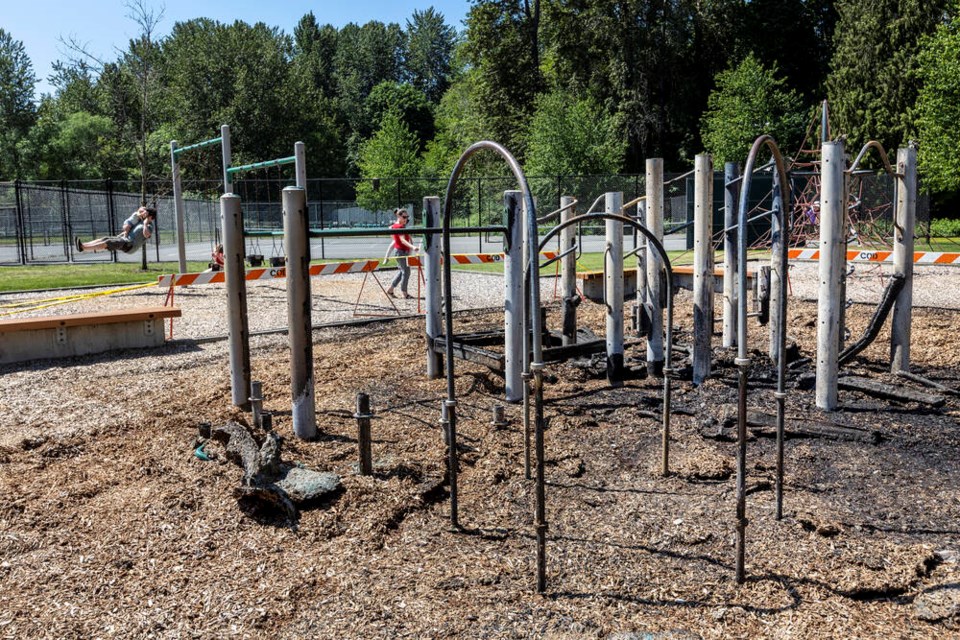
(363, 416)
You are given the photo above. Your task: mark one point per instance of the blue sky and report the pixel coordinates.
(103, 27)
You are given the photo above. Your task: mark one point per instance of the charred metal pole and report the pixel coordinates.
(513, 338)
(906, 215)
(568, 273)
(654, 193)
(780, 198)
(364, 444)
(297, 248)
(613, 288)
(743, 361)
(833, 203)
(256, 403)
(231, 220)
(431, 218)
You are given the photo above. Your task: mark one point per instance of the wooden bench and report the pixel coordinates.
(82, 333)
(592, 281)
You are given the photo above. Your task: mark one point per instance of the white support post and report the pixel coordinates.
(178, 207)
(231, 223)
(641, 267)
(513, 296)
(296, 241)
(702, 267)
(227, 157)
(833, 202)
(431, 257)
(778, 237)
(654, 188)
(568, 272)
(730, 203)
(613, 289)
(906, 218)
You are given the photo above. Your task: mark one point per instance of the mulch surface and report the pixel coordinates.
(111, 526)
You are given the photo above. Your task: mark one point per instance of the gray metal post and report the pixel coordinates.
(833, 202)
(641, 254)
(231, 221)
(654, 184)
(300, 165)
(702, 267)
(227, 157)
(431, 257)
(613, 288)
(513, 297)
(178, 208)
(906, 217)
(730, 202)
(297, 248)
(778, 237)
(256, 403)
(568, 272)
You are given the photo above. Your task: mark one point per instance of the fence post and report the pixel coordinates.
(21, 226)
(65, 219)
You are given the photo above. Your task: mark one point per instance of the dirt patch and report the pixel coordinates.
(112, 526)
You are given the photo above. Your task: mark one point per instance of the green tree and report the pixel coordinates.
(392, 152)
(873, 83)
(503, 48)
(407, 102)
(573, 137)
(750, 100)
(938, 107)
(429, 50)
(17, 110)
(73, 146)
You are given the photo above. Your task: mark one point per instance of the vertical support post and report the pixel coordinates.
(364, 442)
(568, 273)
(778, 239)
(731, 171)
(833, 203)
(231, 221)
(256, 403)
(434, 327)
(906, 221)
(641, 324)
(654, 180)
(227, 157)
(703, 267)
(297, 248)
(513, 297)
(178, 208)
(300, 165)
(613, 288)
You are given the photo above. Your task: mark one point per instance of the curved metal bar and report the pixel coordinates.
(742, 361)
(537, 365)
(557, 212)
(873, 144)
(667, 366)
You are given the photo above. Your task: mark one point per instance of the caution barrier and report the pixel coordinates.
(333, 268)
(919, 257)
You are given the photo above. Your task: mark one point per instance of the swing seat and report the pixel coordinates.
(278, 261)
(255, 260)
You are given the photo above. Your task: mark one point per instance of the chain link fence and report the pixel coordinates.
(39, 220)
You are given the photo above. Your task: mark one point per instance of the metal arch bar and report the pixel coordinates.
(667, 368)
(873, 144)
(198, 145)
(739, 179)
(536, 366)
(780, 193)
(560, 256)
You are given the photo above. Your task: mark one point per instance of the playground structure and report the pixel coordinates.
(524, 330)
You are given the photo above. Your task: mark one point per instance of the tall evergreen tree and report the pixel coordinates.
(429, 51)
(17, 110)
(873, 83)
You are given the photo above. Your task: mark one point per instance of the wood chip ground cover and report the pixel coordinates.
(111, 526)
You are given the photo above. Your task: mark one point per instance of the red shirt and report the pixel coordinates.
(397, 242)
